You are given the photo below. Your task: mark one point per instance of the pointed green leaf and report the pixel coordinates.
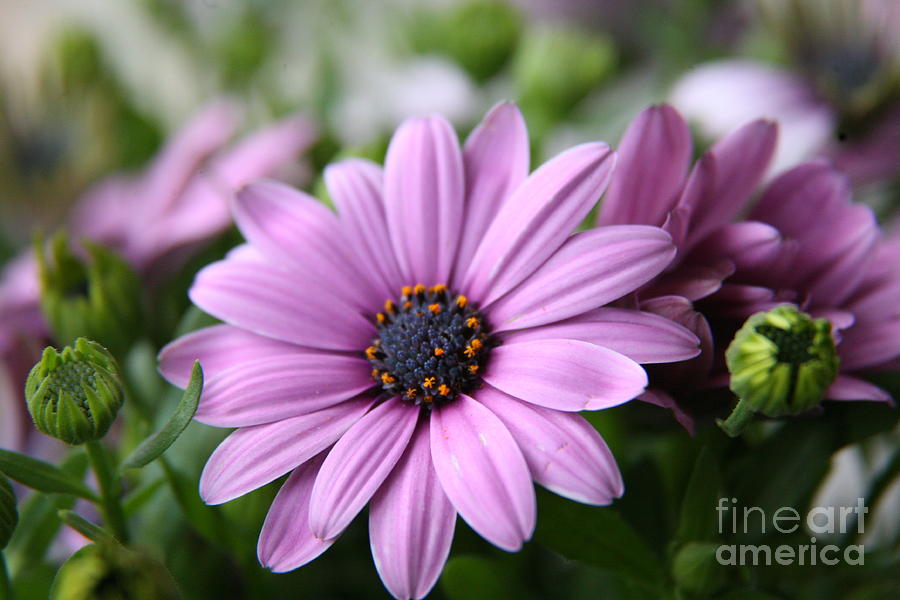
(42, 476)
(596, 535)
(91, 531)
(9, 516)
(698, 509)
(154, 446)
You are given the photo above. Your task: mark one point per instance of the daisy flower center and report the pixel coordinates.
(793, 346)
(431, 345)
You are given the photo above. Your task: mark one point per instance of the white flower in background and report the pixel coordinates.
(718, 97)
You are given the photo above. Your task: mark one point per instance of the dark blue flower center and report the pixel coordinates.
(431, 345)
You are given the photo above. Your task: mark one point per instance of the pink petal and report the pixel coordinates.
(564, 452)
(813, 204)
(740, 161)
(297, 231)
(845, 387)
(262, 153)
(752, 246)
(653, 159)
(538, 218)
(496, 158)
(641, 336)
(355, 186)
(662, 399)
(358, 465)
(269, 389)
(253, 456)
(483, 472)
(589, 270)
(280, 305)
(411, 522)
(693, 280)
(424, 192)
(565, 375)
(286, 541)
(695, 371)
(867, 345)
(217, 348)
(170, 171)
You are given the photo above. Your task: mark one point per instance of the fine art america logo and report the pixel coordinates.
(820, 520)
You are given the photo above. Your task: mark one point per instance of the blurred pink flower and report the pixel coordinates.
(155, 219)
(452, 398)
(804, 241)
(158, 217)
(22, 336)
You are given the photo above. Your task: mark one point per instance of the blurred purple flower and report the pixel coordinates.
(155, 219)
(160, 216)
(804, 241)
(22, 335)
(465, 387)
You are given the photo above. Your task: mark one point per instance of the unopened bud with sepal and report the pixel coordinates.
(75, 395)
(782, 361)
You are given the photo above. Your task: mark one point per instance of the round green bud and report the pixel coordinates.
(478, 35)
(696, 571)
(782, 361)
(74, 395)
(98, 298)
(106, 571)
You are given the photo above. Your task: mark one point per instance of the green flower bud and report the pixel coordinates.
(696, 571)
(98, 299)
(74, 395)
(781, 363)
(111, 572)
(555, 68)
(479, 35)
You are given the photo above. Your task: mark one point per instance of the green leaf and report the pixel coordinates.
(475, 578)
(698, 509)
(9, 516)
(42, 476)
(154, 446)
(89, 530)
(598, 536)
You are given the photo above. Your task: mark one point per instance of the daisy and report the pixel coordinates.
(426, 349)
(804, 241)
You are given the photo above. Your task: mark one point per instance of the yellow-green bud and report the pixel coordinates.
(74, 395)
(781, 361)
(108, 571)
(98, 299)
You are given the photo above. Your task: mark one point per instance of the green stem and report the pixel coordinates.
(110, 489)
(6, 590)
(739, 418)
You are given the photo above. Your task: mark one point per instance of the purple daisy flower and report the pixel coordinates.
(426, 349)
(804, 241)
